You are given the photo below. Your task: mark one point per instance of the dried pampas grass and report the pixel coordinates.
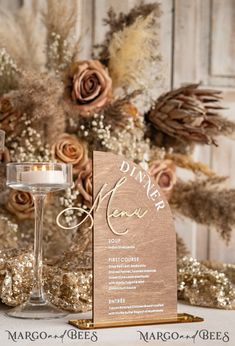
(117, 22)
(207, 203)
(39, 97)
(19, 36)
(185, 161)
(60, 19)
(135, 62)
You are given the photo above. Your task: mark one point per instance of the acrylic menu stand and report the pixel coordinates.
(134, 249)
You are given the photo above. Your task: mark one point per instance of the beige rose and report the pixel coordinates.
(69, 149)
(164, 174)
(21, 204)
(91, 86)
(84, 184)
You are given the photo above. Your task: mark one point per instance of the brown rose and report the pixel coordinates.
(84, 184)
(21, 204)
(164, 174)
(91, 86)
(9, 116)
(69, 149)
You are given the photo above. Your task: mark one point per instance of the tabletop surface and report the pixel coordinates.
(218, 328)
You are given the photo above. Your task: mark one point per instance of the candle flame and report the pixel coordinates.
(39, 168)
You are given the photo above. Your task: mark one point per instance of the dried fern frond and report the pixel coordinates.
(135, 62)
(191, 115)
(60, 20)
(117, 22)
(207, 203)
(185, 161)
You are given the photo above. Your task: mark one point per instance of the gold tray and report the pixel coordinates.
(180, 318)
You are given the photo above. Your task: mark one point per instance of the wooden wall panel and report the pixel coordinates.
(191, 41)
(166, 36)
(223, 162)
(10, 4)
(222, 38)
(85, 27)
(190, 33)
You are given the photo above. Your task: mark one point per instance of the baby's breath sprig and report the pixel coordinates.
(8, 72)
(95, 132)
(69, 200)
(59, 53)
(28, 146)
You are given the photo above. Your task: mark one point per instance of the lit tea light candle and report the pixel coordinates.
(42, 176)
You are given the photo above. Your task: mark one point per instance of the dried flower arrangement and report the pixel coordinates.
(54, 106)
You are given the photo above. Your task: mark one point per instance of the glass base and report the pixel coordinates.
(42, 311)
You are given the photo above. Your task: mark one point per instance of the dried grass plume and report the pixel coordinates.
(135, 61)
(207, 203)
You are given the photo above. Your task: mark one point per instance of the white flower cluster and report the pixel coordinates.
(96, 131)
(59, 53)
(7, 65)
(28, 147)
(69, 200)
(129, 142)
(9, 225)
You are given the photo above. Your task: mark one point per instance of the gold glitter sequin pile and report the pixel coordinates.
(66, 287)
(16, 275)
(68, 281)
(203, 286)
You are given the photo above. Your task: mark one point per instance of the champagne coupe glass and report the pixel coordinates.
(38, 179)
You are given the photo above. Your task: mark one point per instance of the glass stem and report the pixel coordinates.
(37, 295)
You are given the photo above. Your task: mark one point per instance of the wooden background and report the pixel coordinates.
(198, 45)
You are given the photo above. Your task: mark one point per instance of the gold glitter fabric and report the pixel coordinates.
(66, 287)
(226, 268)
(16, 275)
(68, 281)
(200, 285)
